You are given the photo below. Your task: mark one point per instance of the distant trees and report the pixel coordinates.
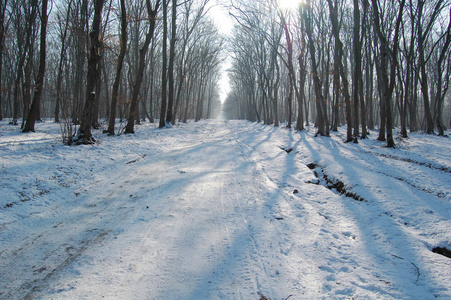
(384, 58)
(105, 59)
(369, 64)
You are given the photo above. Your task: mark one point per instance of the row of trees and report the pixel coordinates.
(365, 63)
(78, 61)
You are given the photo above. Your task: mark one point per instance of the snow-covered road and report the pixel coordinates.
(218, 210)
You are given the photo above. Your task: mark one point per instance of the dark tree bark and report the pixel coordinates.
(93, 76)
(440, 94)
(292, 76)
(275, 99)
(34, 111)
(24, 46)
(320, 105)
(290, 67)
(407, 94)
(26, 85)
(3, 5)
(82, 46)
(152, 13)
(336, 92)
(120, 63)
(369, 87)
(422, 35)
(302, 79)
(333, 8)
(408, 99)
(387, 54)
(425, 88)
(171, 64)
(64, 27)
(358, 75)
(164, 79)
(357, 68)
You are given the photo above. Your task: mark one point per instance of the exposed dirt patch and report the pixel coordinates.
(287, 150)
(333, 184)
(443, 251)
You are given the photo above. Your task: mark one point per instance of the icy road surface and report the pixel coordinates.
(219, 210)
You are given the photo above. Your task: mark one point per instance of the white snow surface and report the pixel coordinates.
(209, 210)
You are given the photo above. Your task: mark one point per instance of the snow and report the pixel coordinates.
(208, 210)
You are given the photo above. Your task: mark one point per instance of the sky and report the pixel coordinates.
(224, 23)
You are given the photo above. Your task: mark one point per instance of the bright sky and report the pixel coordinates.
(221, 17)
(289, 4)
(224, 23)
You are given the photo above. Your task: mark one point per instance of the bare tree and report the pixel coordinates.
(423, 33)
(442, 88)
(358, 75)
(320, 105)
(117, 80)
(333, 8)
(34, 111)
(24, 31)
(388, 54)
(3, 26)
(171, 64)
(93, 76)
(63, 29)
(164, 67)
(152, 13)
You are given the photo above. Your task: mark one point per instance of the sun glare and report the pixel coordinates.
(289, 4)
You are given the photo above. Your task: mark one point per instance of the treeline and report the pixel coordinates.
(369, 64)
(79, 61)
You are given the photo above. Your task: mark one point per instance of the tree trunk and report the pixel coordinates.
(336, 92)
(386, 55)
(164, 85)
(440, 95)
(171, 64)
(339, 58)
(82, 45)
(424, 78)
(93, 76)
(26, 85)
(120, 62)
(321, 111)
(369, 87)
(358, 71)
(302, 78)
(142, 59)
(3, 5)
(30, 20)
(39, 85)
(275, 99)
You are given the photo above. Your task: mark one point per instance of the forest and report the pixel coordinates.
(366, 64)
(225, 149)
(108, 59)
(372, 65)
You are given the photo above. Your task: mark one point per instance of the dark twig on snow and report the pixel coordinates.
(418, 270)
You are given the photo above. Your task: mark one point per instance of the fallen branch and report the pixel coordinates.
(418, 270)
